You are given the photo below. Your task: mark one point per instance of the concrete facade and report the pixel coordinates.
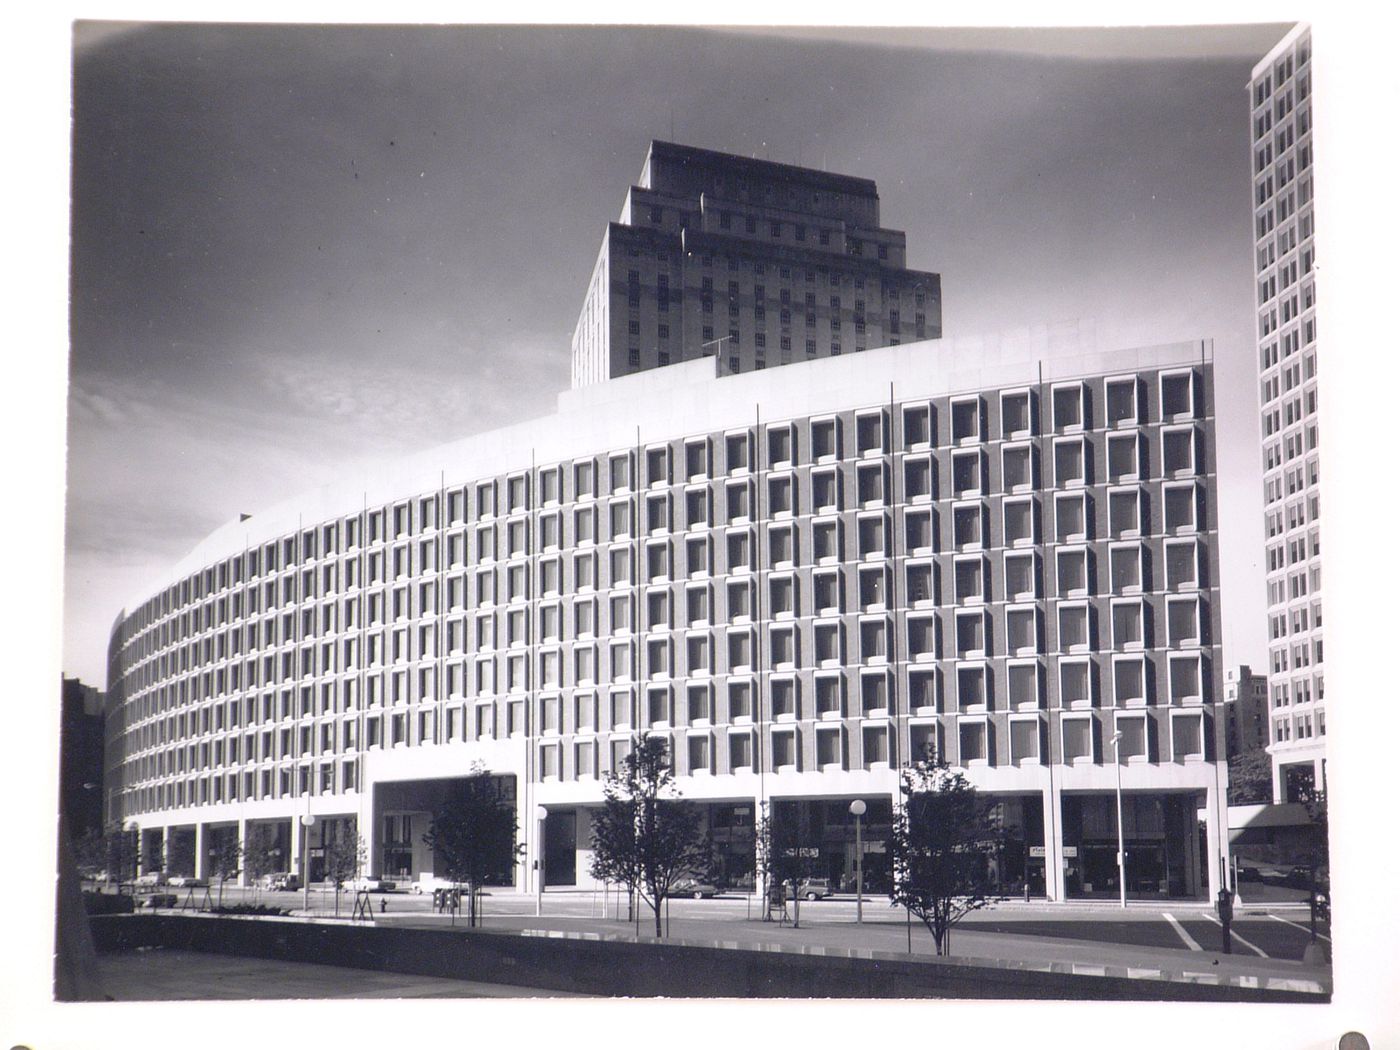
(1281, 112)
(799, 578)
(753, 262)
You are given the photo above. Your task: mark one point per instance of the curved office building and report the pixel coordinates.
(800, 576)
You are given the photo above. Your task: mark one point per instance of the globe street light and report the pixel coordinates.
(307, 822)
(858, 811)
(1122, 858)
(540, 814)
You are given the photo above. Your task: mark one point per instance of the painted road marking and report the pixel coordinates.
(1299, 926)
(1252, 947)
(1181, 932)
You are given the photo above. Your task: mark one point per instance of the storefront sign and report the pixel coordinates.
(1037, 851)
(1069, 851)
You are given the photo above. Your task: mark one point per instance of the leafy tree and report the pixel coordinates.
(344, 855)
(90, 851)
(225, 858)
(473, 834)
(938, 847)
(121, 854)
(152, 853)
(646, 837)
(1251, 778)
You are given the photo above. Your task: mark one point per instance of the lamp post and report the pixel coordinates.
(1122, 858)
(858, 811)
(540, 814)
(307, 822)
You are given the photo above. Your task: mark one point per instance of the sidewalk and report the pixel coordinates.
(881, 935)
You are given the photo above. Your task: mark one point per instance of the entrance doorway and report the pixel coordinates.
(561, 848)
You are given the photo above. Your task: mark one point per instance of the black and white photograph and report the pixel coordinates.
(746, 514)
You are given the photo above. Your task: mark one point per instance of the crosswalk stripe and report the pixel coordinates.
(1181, 932)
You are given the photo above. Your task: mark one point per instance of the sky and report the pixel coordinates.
(297, 249)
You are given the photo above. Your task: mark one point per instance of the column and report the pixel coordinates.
(1054, 844)
(1217, 833)
(242, 841)
(373, 835)
(201, 862)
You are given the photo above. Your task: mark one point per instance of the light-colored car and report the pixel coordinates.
(814, 889)
(430, 883)
(282, 880)
(369, 884)
(150, 880)
(184, 881)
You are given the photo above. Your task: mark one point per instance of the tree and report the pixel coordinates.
(776, 853)
(473, 834)
(938, 847)
(260, 853)
(1251, 778)
(180, 854)
(152, 853)
(344, 855)
(225, 858)
(90, 851)
(646, 837)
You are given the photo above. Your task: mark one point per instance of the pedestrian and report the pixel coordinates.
(383, 905)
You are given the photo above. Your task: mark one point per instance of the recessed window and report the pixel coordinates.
(1177, 395)
(1127, 625)
(1072, 571)
(1125, 569)
(918, 531)
(1068, 403)
(1188, 739)
(1022, 633)
(874, 588)
(1129, 680)
(1133, 741)
(917, 428)
(972, 742)
(1070, 518)
(1015, 414)
(874, 693)
(1018, 522)
(967, 473)
(1025, 740)
(1122, 401)
(1122, 456)
(1078, 739)
(875, 745)
(918, 478)
(870, 434)
(740, 699)
(970, 632)
(740, 752)
(1124, 513)
(968, 526)
(828, 695)
(824, 439)
(1179, 452)
(780, 446)
(870, 483)
(1076, 688)
(1021, 576)
(825, 490)
(1182, 564)
(1069, 462)
(1179, 507)
(968, 580)
(870, 536)
(736, 452)
(1074, 627)
(697, 459)
(967, 420)
(1015, 468)
(973, 688)
(1183, 621)
(1185, 674)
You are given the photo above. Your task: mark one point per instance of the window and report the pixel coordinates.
(1185, 675)
(783, 692)
(1075, 684)
(874, 693)
(1068, 406)
(972, 742)
(875, 746)
(1122, 398)
(1124, 513)
(740, 752)
(736, 450)
(828, 688)
(1025, 740)
(968, 526)
(1019, 522)
(967, 420)
(970, 632)
(1188, 740)
(1015, 414)
(1179, 507)
(1022, 631)
(740, 700)
(1183, 622)
(1069, 462)
(1125, 569)
(1177, 395)
(1129, 680)
(967, 580)
(698, 753)
(967, 473)
(972, 686)
(1122, 456)
(1070, 518)
(1078, 739)
(918, 478)
(784, 749)
(824, 439)
(1179, 452)
(829, 748)
(870, 484)
(917, 426)
(1181, 559)
(1021, 576)
(1016, 468)
(1074, 627)
(870, 434)
(1128, 625)
(1072, 571)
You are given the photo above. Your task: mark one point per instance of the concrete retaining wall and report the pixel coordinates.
(629, 968)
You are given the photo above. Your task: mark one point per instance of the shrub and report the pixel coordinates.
(108, 903)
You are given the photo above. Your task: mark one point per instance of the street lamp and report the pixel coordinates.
(858, 810)
(540, 814)
(307, 822)
(1122, 858)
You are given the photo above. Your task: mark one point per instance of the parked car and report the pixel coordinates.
(430, 883)
(186, 881)
(696, 888)
(282, 880)
(814, 889)
(369, 884)
(150, 880)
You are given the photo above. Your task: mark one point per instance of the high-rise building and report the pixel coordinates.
(80, 769)
(1246, 710)
(1281, 113)
(753, 262)
(798, 578)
